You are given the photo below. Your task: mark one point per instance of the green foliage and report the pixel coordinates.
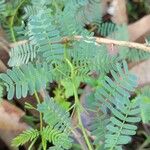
(52, 53)
(89, 56)
(9, 12)
(24, 53)
(106, 28)
(124, 81)
(145, 112)
(2, 6)
(38, 23)
(121, 126)
(98, 129)
(137, 55)
(41, 3)
(69, 86)
(51, 109)
(25, 137)
(60, 139)
(59, 124)
(145, 91)
(78, 13)
(61, 96)
(144, 96)
(56, 132)
(20, 81)
(124, 112)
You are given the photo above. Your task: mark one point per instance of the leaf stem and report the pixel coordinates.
(38, 101)
(12, 20)
(41, 121)
(79, 119)
(77, 102)
(121, 127)
(31, 145)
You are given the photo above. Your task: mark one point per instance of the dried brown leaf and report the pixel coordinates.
(10, 124)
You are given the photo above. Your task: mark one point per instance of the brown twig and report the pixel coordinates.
(118, 43)
(98, 40)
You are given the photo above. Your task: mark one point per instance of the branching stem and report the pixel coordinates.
(77, 101)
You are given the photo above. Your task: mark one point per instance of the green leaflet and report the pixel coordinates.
(145, 112)
(59, 138)
(69, 86)
(98, 129)
(2, 6)
(136, 55)
(57, 130)
(114, 94)
(106, 28)
(50, 134)
(54, 114)
(40, 3)
(59, 124)
(27, 78)
(89, 56)
(26, 136)
(38, 23)
(22, 54)
(119, 132)
(144, 96)
(75, 27)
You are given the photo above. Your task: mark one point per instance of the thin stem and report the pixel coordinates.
(41, 121)
(31, 145)
(73, 111)
(146, 142)
(79, 119)
(71, 107)
(77, 102)
(38, 101)
(121, 127)
(12, 21)
(98, 40)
